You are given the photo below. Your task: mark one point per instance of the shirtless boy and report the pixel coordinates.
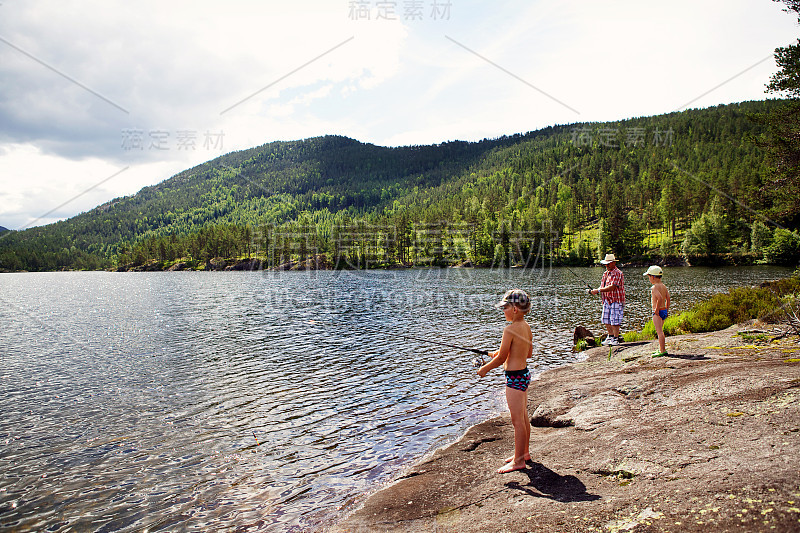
(515, 350)
(659, 300)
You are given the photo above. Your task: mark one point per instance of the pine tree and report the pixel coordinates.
(782, 138)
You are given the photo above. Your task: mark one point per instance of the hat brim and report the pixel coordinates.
(502, 305)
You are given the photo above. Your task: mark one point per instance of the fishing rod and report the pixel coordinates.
(580, 278)
(464, 348)
(420, 339)
(477, 362)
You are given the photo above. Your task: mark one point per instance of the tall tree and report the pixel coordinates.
(782, 138)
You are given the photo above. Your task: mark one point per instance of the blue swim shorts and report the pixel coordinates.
(663, 313)
(518, 379)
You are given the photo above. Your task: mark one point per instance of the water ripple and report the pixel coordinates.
(260, 401)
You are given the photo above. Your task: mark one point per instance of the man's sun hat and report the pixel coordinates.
(654, 270)
(609, 259)
(516, 297)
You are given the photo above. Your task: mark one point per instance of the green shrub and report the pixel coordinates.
(707, 235)
(760, 237)
(632, 336)
(738, 305)
(678, 324)
(785, 286)
(785, 247)
(648, 333)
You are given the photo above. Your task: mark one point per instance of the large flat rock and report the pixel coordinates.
(704, 440)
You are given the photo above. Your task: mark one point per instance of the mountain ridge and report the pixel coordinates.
(327, 179)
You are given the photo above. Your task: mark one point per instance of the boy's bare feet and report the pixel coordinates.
(526, 458)
(511, 467)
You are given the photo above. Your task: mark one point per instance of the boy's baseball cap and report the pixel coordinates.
(516, 297)
(654, 270)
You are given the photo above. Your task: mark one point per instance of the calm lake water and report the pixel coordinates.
(259, 401)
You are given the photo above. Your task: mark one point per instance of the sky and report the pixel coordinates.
(101, 98)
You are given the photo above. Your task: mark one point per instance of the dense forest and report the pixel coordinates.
(693, 184)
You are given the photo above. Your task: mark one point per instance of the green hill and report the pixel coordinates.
(636, 186)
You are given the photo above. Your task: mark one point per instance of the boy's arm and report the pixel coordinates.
(668, 299)
(499, 357)
(654, 299)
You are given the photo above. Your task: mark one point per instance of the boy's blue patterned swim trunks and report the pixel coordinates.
(663, 313)
(518, 379)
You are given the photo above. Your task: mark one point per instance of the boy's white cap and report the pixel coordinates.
(654, 270)
(609, 259)
(516, 297)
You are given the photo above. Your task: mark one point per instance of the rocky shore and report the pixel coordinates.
(705, 439)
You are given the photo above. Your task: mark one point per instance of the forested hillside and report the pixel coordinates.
(691, 182)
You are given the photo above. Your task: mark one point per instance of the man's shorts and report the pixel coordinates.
(612, 313)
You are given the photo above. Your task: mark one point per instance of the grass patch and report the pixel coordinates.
(754, 337)
(647, 333)
(581, 345)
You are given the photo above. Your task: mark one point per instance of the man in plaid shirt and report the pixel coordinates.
(612, 292)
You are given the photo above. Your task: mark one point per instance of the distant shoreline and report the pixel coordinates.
(321, 262)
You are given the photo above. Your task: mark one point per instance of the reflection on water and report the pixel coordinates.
(268, 401)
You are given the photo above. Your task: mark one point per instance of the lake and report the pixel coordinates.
(260, 401)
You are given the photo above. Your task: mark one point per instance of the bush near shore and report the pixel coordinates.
(768, 302)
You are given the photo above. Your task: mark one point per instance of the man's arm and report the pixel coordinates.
(606, 288)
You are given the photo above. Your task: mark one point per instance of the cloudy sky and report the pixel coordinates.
(101, 98)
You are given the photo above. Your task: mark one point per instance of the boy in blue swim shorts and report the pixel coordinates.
(660, 301)
(515, 350)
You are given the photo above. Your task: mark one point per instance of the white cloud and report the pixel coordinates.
(303, 69)
(40, 188)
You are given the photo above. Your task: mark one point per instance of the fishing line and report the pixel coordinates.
(580, 278)
(411, 337)
(476, 363)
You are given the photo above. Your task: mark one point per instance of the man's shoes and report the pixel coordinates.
(607, 341)
(612, 341)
